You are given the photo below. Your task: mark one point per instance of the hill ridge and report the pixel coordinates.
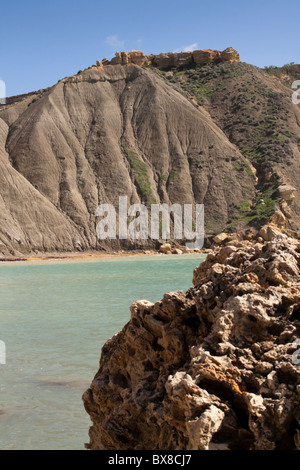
(202, 134)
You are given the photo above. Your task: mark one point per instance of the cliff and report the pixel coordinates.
(215, 367)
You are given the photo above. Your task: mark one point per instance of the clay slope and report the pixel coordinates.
(108, 131)
(216, 367)
(28, 219)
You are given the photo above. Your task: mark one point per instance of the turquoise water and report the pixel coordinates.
(54, 319)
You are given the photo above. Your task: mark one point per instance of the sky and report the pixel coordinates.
(42, 42)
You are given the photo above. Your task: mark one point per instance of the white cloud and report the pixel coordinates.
(139, 42)
(114, 41)
(189, 48)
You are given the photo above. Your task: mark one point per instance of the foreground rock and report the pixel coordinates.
(215, 367)
(219, 239)
(166, 248)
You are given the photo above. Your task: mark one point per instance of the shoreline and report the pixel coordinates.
(87, 256)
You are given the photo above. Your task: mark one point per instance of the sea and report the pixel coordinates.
(55, 316)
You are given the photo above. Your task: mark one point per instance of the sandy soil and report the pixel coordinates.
(81, 257)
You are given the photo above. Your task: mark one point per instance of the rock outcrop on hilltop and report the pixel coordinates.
(215, 367)
(173, 59)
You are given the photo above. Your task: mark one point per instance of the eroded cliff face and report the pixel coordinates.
(104, 133)
(215, 367)
(195, 127)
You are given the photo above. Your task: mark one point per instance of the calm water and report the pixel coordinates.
(54, 319)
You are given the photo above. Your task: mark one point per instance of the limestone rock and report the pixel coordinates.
(230, 55)
(286, 209)
(268, 232)
(205, 56)
(278, 218)
(210, 368)
(164, 61)
(174, 59)
(183, 58)
(121, 58)
(169, 74)
(286, 192)
(138, 58)
(220, 238)
(166, 248)
(177, 251)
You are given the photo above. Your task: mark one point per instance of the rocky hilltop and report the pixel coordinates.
(186, 128)
(216, 367)
(172, 59)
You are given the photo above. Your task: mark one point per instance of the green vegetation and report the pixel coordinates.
(142, 179)
(248, 170)
(228, 179)
(162, 179)
(152, 200)
(265, 202)
(254, 118)
(242, 213)
(231, 228)
(242, 167)
(91, 145)
(291, 69)
(238, 167)
(81, 182)
(172, 175)
(245, 206)
(262, 207)
(213, 228)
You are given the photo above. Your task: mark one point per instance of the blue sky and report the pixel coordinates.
(42, 42)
